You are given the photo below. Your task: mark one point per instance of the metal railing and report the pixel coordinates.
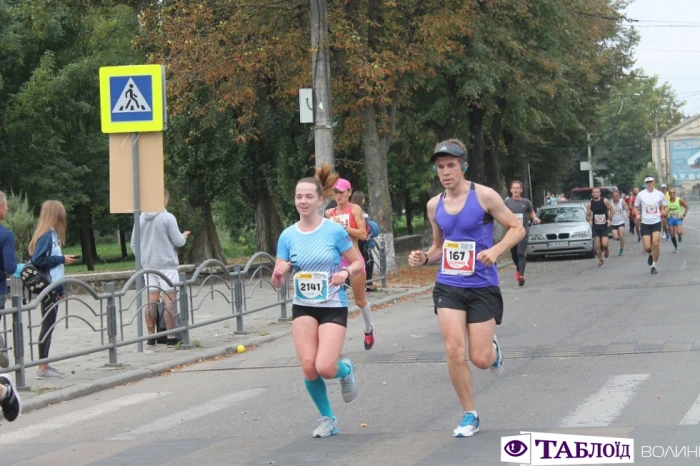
(113, 313)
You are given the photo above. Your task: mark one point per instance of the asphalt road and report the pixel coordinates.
(608, 352)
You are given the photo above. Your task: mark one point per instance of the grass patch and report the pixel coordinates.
(400, 228)
(109, 256)
(41, 391)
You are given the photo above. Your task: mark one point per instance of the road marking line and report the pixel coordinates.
(61, 422)
(692, 417)
(601, 408)
(190, 414)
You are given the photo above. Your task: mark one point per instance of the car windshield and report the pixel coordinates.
(562, 215)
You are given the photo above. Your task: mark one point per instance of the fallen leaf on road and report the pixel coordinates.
(383, 383)
(363, 425)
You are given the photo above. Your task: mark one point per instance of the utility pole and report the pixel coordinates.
(590, 161)
(321, 69)
(658, 147)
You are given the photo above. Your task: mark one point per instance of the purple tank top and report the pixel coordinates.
(466, 234)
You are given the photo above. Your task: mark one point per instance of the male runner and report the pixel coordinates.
(467, 298)
(619, 220)
(649, 205)
(521, 208)
(675, 218)
(599, 213)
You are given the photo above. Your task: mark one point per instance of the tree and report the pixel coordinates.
(51, 120)
(627, 124)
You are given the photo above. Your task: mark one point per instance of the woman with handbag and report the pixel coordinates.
(45, 248)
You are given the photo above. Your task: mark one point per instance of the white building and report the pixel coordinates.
(676, 155)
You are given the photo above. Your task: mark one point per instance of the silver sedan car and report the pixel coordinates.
(563, 231)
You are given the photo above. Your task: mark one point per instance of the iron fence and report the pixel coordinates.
(113, 314)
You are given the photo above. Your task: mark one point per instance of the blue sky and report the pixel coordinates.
(669, 46)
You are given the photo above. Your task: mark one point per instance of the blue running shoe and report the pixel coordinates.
(468, 427)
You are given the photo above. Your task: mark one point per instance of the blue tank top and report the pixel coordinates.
(466, 234)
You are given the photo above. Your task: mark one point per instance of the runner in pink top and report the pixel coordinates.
(350, 216)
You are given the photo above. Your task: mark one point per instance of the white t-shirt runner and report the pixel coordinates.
(618, 213)
(649, 205)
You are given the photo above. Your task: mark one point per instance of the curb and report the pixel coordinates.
(88, 388)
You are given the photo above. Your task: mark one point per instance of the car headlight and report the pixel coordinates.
(582, 234)
(537, 237)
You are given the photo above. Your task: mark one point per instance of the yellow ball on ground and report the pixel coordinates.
(240, 348)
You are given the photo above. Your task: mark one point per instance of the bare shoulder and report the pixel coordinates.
(433, 202)
(487, 197)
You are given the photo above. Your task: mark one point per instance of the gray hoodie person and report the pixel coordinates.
(160, 236)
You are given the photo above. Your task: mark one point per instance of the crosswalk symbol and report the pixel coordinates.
(131, 100)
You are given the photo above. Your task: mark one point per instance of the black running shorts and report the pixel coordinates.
(480, 304)
(323, 315)
(647, 230)
(599, 231)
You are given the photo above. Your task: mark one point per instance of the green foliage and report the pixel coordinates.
(21, 221)
(648, 170)
(627, 124)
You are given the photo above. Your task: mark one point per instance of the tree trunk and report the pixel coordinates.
(375, 148)
(493, 156)
(268, 224)
(93, 244)
(122, 243)
(476, 171)
(85, 243)
(435, 189)
(206, 243)
(409, 214)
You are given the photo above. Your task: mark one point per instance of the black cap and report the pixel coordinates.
(448, 148)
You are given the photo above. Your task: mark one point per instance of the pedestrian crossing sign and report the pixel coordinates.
(132, 99)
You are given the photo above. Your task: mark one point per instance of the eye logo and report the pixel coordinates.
(515, 448)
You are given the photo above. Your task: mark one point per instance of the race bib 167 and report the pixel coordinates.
(458, 257)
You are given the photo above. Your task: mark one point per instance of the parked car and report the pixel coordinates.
(563, 231)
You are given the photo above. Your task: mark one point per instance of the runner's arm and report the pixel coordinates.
(588, 214)
(353, 256)
(418, 257)
(282, 268)
(360, 232)
(686, 206)
(611, 211)
(533, 215)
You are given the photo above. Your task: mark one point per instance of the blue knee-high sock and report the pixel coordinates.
(319, 395)
(343, 370)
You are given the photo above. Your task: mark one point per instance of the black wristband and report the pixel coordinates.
(426, 259)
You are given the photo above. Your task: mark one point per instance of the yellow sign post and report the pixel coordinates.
(132, 100)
